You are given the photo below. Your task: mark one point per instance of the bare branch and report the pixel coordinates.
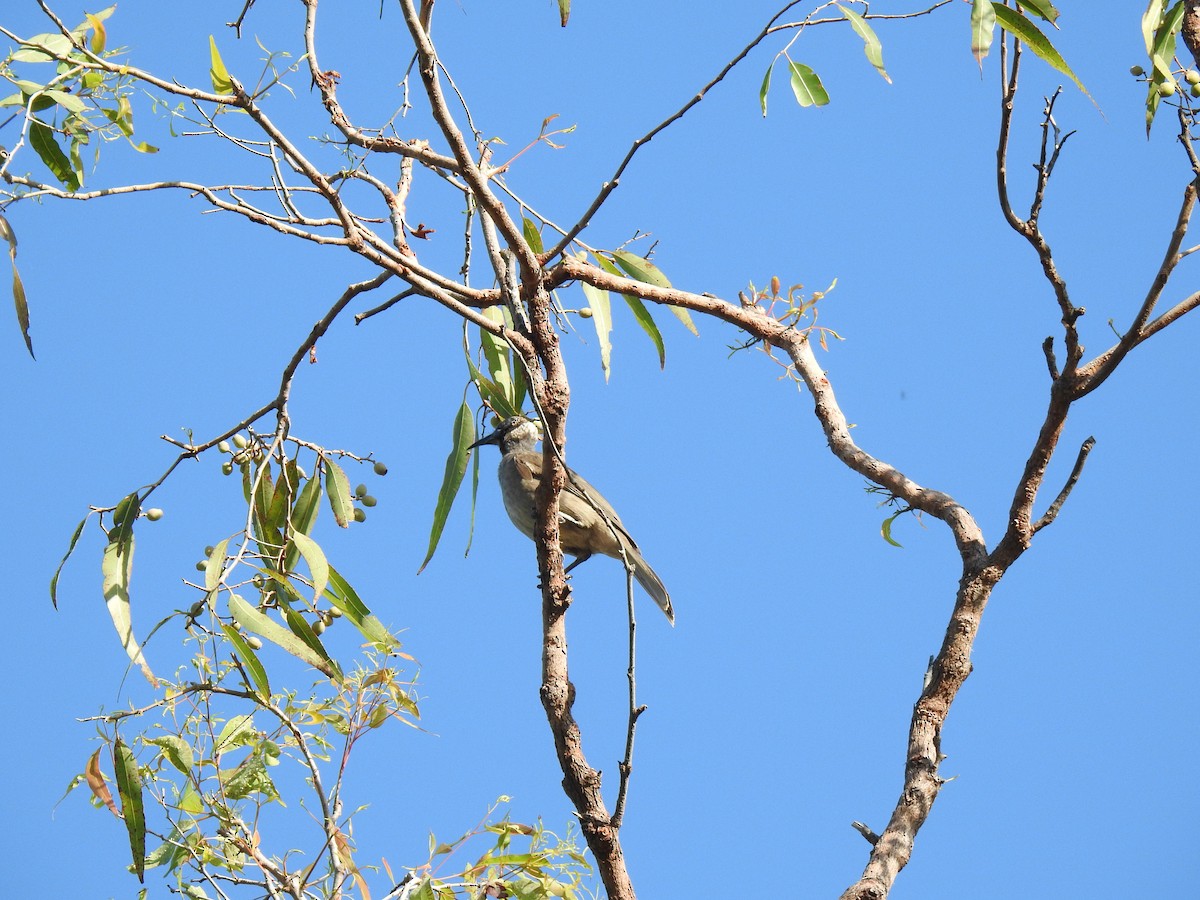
(1052, 513)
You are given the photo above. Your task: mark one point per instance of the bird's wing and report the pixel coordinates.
(529, 465)
(577, 485)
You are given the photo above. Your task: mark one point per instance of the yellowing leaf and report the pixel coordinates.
(221, 82)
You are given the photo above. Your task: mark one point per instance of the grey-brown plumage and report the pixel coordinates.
(582, 530)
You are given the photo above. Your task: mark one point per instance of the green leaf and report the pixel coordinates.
(22, 307)
(304, 516)
(886, 530)
(1016, 24)
(640, 269)
(251, 619)
(640, 313)
(318, 566)
(41, 139)
(1150, 22)
(129, 788)
(871, 44)
(343, 596)
(766, 87)
(1153, 98)
(462, 435)
(251, 664)
(491, 393)
(602, 319)
(214, 566)
(983, 29)
(564, 11)
(532, 236)
(221, 82)
(175, 750)
(337, 486)
(1043, 8)
(57, 572)
(55, 46)
(806, 85)
(1164, 36)
(116, 567)
(237, 732)
(249, 777)
(495, 352)
(303, 630)
(69, 102)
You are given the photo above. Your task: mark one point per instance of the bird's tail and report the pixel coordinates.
(650, 582)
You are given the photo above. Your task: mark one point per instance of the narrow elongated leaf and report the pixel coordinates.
(264, 492)
(251, 619)
(806, 85)
(1150, 21)
(337, 486)
(1016, 24)
(640, 269)
(283, 494)
(41, 139)
(220, 75)
(462, 434)
(871, 43)
(1043, 8)
(304, 516)
(602, 319)
(564, 12)
(1164, 35)
(318, 566)
(116, 567)
(640, 313)
(886, 530)
(495, 352)
(129, 789)
(532, 236)
(303, 630)
(95, 781)
(19, 300)
(70, 549)
(251, 664)
(983, 29)
(214, 567)
(766, 88)
(344, 597)
(1153, 98)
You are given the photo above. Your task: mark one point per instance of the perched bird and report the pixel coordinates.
(582, 530)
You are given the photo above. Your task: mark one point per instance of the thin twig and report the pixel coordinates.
(1052, 512)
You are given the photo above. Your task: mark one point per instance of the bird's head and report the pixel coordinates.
(514, 433)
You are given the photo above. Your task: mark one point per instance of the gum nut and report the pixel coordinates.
(154, 514)
(380, 469)
(239, 441)
(360, 491)
(359, 515)
(368, 501)
(223, 446)
(585, 313)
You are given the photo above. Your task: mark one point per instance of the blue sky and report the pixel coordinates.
(779, 704)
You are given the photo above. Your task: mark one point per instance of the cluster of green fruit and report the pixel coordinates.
(361, 496)
(1167, 88)
(245, 453)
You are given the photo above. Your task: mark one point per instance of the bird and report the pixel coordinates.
(582, 530)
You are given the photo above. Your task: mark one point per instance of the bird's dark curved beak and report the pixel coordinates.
(493, 438)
